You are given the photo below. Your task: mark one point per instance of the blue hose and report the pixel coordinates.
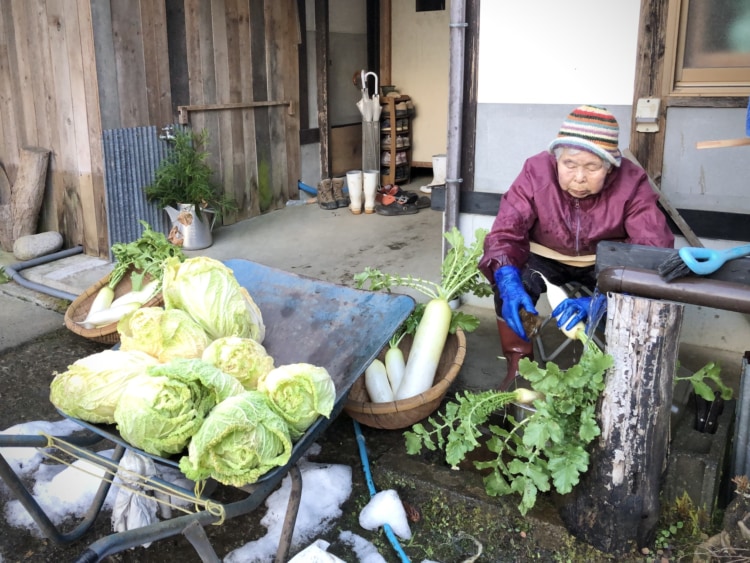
(371, 486)
(305, 188)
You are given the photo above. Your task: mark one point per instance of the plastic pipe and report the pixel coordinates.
(14, 269)
(371, 486)
(693, 290)
(305, 188)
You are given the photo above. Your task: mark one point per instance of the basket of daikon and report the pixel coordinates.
(92, 317)
(134, 282)
(394, 415)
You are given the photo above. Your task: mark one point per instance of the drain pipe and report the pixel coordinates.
(693, 290)
(458, 27)
(14, 269)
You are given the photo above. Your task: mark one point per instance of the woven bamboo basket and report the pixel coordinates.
(402, 414)
(79, 308)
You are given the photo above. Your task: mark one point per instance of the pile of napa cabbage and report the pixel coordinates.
(195, 376)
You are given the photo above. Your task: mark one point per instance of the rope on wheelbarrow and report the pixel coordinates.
(371, 486)
(163, 490)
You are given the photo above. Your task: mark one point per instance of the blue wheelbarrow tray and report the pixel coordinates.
(307, 320)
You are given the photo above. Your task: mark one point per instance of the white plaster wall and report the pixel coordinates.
(539, 60)
(552, 52)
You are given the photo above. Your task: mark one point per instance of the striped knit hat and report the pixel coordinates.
(592, 129)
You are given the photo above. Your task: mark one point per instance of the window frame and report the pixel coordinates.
(698, 82)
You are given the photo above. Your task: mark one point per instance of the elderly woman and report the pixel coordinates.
(562, 204)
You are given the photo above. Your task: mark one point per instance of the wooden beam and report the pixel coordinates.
(183, 111)
(649, 83)
(321, 61)
(723, 143)
(385, 42)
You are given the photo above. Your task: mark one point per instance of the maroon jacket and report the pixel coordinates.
(535, 208)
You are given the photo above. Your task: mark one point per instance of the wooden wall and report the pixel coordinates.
(245, 53)
(70, 69)
(49, 99)
(132, 63)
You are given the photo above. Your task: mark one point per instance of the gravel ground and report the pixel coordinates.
(450, 518)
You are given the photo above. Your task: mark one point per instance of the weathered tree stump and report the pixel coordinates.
(617, 501)
(21, 203)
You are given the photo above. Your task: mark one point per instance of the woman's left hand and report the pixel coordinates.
(571, 311)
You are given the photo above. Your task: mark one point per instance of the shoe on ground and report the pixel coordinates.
(392, 207)
(337, 188)
(325, 195)
(426, 189)
(421, 201)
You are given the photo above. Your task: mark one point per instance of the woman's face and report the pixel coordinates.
(581, 173)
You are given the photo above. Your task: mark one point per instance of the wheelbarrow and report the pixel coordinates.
(307, 320)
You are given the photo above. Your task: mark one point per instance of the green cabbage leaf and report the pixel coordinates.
(159, 412)
(166, 334)
(241, 439)
(91, 386)
(299, 393)
(243, 358)
(208, 291)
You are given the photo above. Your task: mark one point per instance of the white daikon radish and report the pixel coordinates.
(395, 364)
(555, 296)
(376, 383)
(146, 293)
(103, 300)
(109, 316)
(424, 357)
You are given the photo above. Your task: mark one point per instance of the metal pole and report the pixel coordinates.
(458, 27)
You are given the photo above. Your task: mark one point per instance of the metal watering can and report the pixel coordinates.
(190, 230)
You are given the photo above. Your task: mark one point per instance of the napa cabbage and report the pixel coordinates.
(243, 358)
(208, 291)
(300, 393)
(240, 440)
(166, 334)
(91, 386)
(160, 411)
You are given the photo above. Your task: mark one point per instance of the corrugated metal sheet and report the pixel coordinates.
(131, 157)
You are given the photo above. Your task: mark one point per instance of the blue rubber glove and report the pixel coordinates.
(514, 296)
(571, 311)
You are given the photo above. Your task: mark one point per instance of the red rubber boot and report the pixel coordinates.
(514, 348)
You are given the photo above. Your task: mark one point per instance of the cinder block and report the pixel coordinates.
(698, 461)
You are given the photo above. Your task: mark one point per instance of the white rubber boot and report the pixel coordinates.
(439, 165)
(354, 183)
(372, 181)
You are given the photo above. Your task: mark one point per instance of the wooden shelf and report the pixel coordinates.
(395, 141)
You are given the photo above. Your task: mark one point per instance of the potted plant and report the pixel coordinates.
(183, 186)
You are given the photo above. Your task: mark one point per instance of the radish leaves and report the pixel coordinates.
(551, 451)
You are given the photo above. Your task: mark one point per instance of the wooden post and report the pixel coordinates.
(20, 204)
(617, 501)
(28, 190)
